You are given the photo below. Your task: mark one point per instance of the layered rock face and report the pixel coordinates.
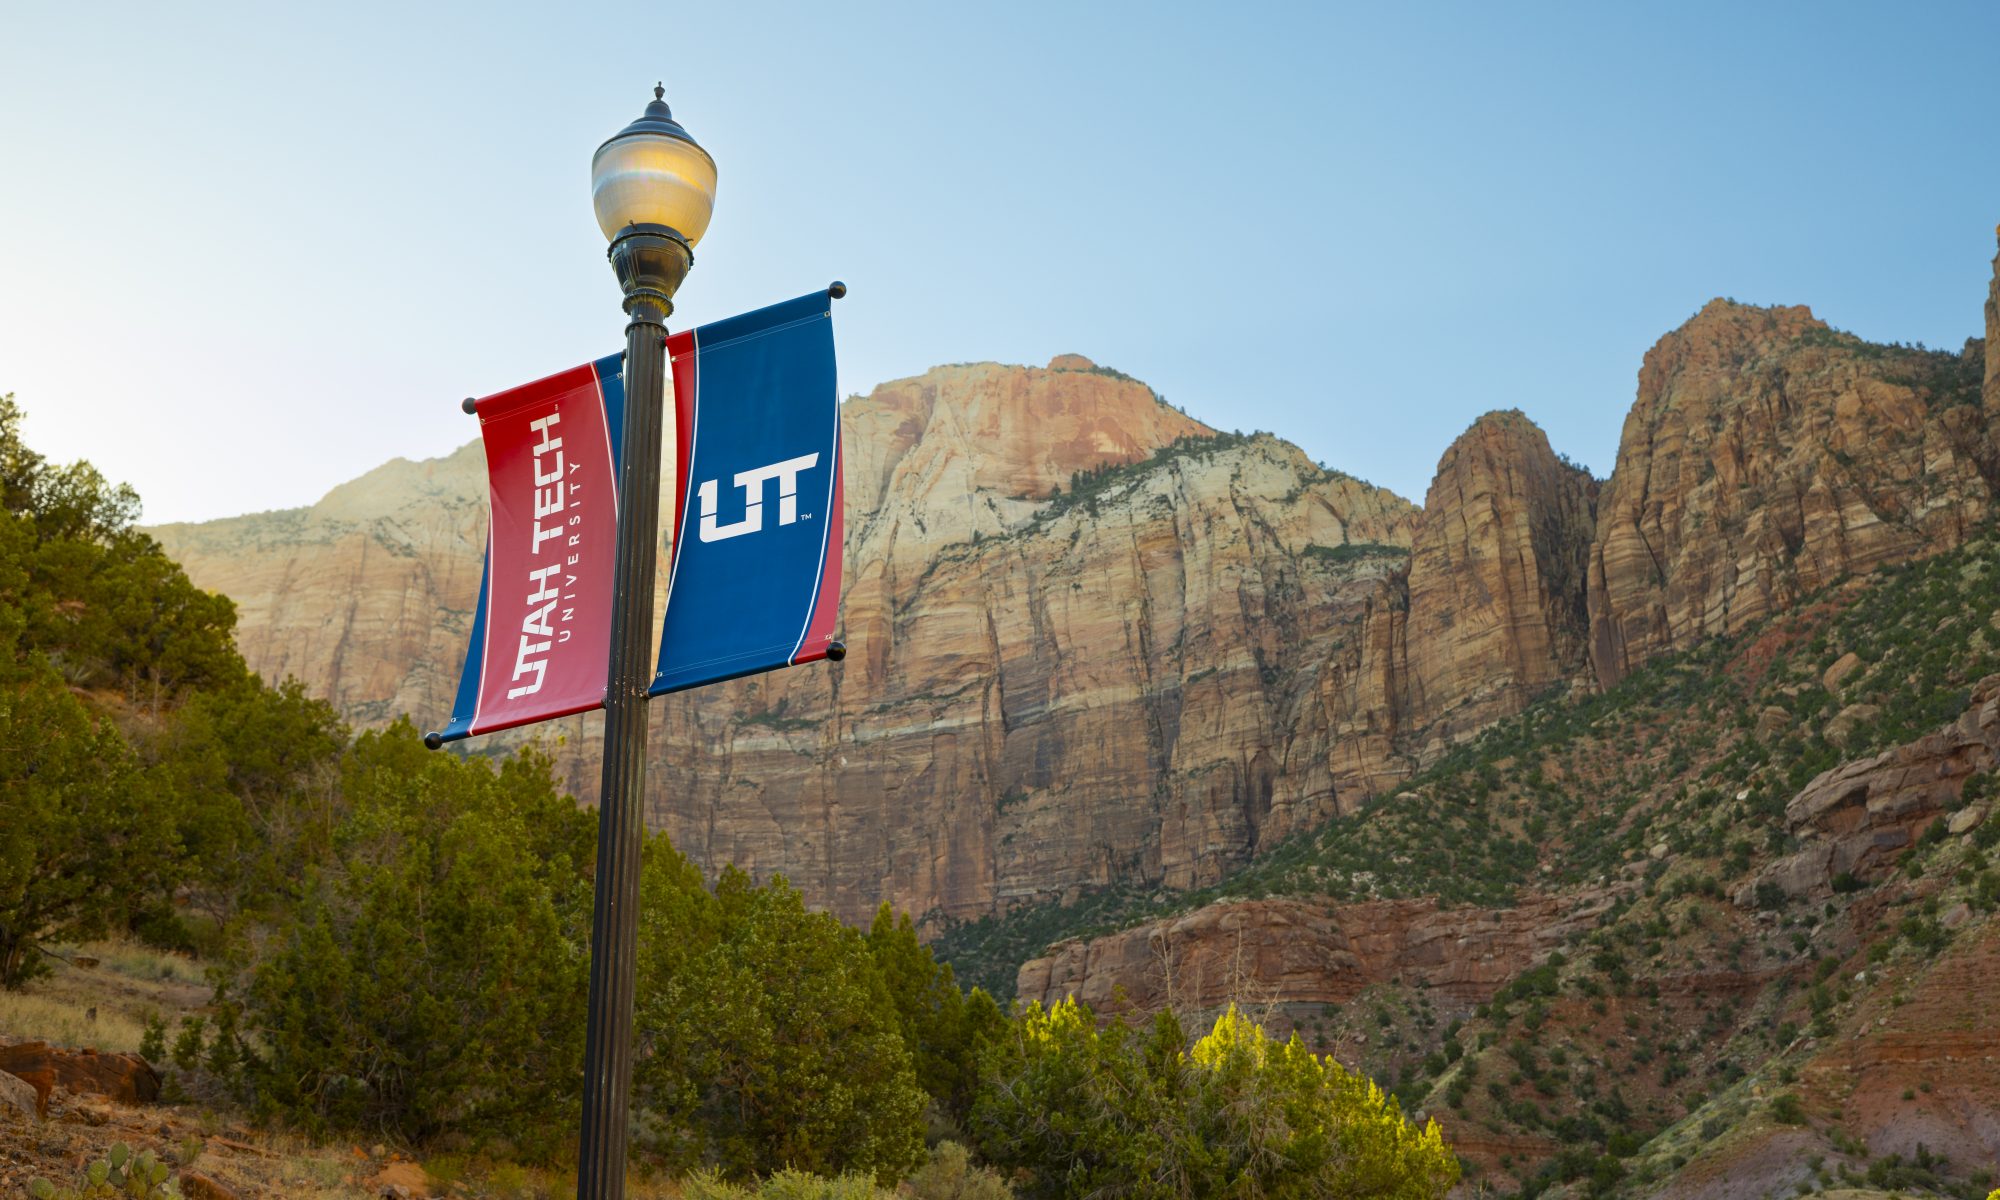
(367, 597)
(1292, 952)
(1039, 695)
(1101, 695)
(1496, 578)
(1855, 818)
(1766, 457)
(1488, 613)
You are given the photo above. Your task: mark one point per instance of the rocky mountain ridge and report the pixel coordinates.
(1094, 643)
(1022, 668)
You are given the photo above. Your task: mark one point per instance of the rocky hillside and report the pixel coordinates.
(1722, 929)
(1718, 923)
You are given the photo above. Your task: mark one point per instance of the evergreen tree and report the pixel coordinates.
(942, 1027)
(772, 1041)
(433, 976)
(79, 834)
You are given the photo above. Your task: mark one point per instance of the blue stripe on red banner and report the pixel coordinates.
(610, 372)
(466, 706)
(551, 525)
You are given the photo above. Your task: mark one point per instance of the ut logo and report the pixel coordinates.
(752, 483)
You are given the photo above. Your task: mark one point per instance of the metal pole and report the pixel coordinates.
(621, 829)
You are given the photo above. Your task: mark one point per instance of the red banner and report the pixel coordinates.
(540, 641)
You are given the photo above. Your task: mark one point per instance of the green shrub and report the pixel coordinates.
(952, 1175)
(433, 974)
(153, 1041)
(109, 816)
(784, 1185)
(1075, 1111)
(81, 833)
(1787, 1110)
(774, 1041)
(188, 1045)
(941, 1026)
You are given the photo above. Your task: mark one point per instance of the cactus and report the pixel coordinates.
(119, 1173)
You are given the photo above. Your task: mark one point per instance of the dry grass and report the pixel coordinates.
(511, 1181)
(127, 984)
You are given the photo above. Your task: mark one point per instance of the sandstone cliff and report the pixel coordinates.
(1040, 695)
(1496, 578)
(367, 597)
(1767, 456)
(1292, 952)
(1488, 613)
(1208, 646)
(1101, 694)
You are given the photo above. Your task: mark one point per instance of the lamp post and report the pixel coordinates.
(653, 189)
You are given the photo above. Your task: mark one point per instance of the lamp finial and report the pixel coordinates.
(660, 90)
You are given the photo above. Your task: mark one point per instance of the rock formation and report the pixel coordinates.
(1294, 952)
(1096, 696)
(125, 1077)
(1488, 613)
(1496, 577)
(1212, 644)
(1040, 695)
(1766, 457)
(1855, 818)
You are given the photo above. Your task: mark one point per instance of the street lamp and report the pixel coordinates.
(653, 189)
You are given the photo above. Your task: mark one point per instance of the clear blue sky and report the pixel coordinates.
(247, 252)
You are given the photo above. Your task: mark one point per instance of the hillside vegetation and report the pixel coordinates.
(1695, 1007)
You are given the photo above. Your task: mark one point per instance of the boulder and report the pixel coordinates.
(197, 1186)
(1859, 817)
(1847, 720)
(18, 1095)
(400, 1180)
(1842, 667)
(124, 1077)
(1966, 819)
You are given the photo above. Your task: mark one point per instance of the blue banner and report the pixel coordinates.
(754, 581)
